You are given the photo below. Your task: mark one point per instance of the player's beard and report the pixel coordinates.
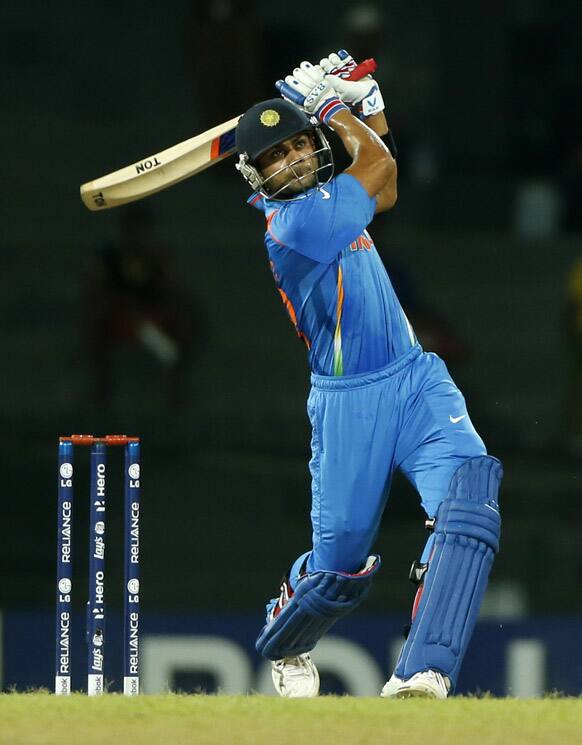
(301, 177)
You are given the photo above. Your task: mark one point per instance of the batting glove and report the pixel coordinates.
(341, 64)
(309, 88)
(363, 95)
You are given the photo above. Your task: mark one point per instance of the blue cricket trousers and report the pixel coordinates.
(409, 415)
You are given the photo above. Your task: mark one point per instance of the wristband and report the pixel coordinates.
(388, 140)
(330, 107)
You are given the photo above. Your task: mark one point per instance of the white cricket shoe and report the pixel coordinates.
(428, 684)
(295, 677)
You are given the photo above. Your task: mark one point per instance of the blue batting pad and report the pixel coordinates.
(320, 599)
(466, 539)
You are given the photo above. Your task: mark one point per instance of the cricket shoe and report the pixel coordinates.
(427, 684)
(295, 677)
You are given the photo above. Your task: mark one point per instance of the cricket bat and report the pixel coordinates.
(174, 164)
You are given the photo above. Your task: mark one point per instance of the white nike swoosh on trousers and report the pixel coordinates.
(456, 419)
(324, 193)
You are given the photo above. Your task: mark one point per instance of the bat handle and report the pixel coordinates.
(367, 67)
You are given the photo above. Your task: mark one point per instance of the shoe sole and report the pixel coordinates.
(411, 693)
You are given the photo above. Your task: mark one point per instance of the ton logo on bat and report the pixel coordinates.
(147, 165)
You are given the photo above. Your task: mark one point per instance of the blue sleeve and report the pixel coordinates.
(327, 221)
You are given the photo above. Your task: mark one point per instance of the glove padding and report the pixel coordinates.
(309, 88)
(341, 64)
(363, 95)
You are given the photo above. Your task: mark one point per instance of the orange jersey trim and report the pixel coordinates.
(269, 221)
(293, 316)
(338, 362)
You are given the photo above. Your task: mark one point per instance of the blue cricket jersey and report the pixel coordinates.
(332, 281)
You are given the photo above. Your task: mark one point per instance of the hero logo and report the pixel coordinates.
(147, 165)
(100, 484)
(99, 590)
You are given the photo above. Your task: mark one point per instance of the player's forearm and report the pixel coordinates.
(386, 197)
(372, 163)
(358, 140)
(377, 123)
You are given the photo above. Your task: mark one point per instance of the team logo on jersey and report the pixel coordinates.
(363, 242)
(270, 118)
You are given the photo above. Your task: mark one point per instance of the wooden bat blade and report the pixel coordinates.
(161, 170)
(175, 164)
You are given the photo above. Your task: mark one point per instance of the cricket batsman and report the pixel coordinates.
(378, 402)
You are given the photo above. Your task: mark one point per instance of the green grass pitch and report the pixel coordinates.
(43, 719)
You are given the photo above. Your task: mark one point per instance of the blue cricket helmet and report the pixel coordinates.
(266, 124)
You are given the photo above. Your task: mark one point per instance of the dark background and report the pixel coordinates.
(484, 102)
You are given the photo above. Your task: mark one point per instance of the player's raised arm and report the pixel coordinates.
(372, 163)
(386, 198)
(365, 101)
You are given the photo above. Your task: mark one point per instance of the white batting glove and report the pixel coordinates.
(340, 66)
(309, 88)
(363, 95)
